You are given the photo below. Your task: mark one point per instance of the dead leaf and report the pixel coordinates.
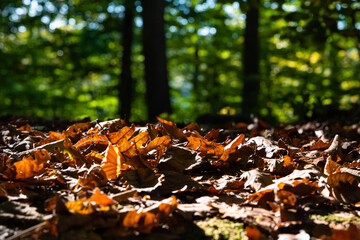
(171, 128)
(256, 179)
(344, 187)
(112, 162)
(101, 198)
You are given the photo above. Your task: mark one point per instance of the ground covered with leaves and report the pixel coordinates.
(115, 180)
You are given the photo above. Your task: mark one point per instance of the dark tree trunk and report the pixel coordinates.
(251, 61)
(126, 80)
(154, 48)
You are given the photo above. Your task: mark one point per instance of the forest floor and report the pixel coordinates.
(115, 180)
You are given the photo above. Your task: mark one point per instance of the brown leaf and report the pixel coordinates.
(92, 139)
(256, 179)
(171, 128)
(331, 166)
(344, 187)
(205, 147)
(287, 198)
(81, 206)
(159, 143)
(141, 221)
(95, 177)
(351, 233)
(101, 198)
(28, 167)
(76, 154)
(75, 131)
(254, 234)
(132, 147)
(118, 138)
(112, 162)
(262, 197)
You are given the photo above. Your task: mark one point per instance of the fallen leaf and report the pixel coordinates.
(171, 128)
(112, 162)
(101, 198)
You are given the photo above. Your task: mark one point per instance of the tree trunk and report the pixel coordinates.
(126, 80)
(154, 48)
(251, 74)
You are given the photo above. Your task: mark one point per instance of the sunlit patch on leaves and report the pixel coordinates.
(112, 162)
(141, 221)
(29, 166)
(91, 140)
(81, 206)
(172, 129)
(101, 198)
(118, 138)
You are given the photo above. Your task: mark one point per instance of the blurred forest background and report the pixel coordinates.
(282, 59)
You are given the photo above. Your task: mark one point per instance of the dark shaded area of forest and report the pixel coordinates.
(283, 60)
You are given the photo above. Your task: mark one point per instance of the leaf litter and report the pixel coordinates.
(105, 180)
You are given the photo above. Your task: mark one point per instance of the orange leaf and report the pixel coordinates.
(351, 233)
(101, 198)
(287, 198)
(74, 132)
(331, 166)
(232, 147)
(205, 147)
(171, 128)
(92, 139)
(254, 233)
(142, 221)
(81, 206)
(118, 138)
(288, 162)
(167, 208)
(29, 167)
(262, 197)
(132, 147)
(111, 163)
(159, 143)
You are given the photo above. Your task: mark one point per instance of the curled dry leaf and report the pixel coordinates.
(92, 139)
(171, 128)
(344, 187)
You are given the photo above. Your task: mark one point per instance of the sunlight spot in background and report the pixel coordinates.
(289, 8)
(22, 29)
(45, 19)
(138, 22)
(314, 57)
(205, 31)
(57, 23)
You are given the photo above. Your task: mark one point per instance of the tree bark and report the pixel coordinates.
(154, 49)
(251, 74)
(126, 80)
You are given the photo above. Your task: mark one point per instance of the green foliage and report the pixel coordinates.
(63, 58)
